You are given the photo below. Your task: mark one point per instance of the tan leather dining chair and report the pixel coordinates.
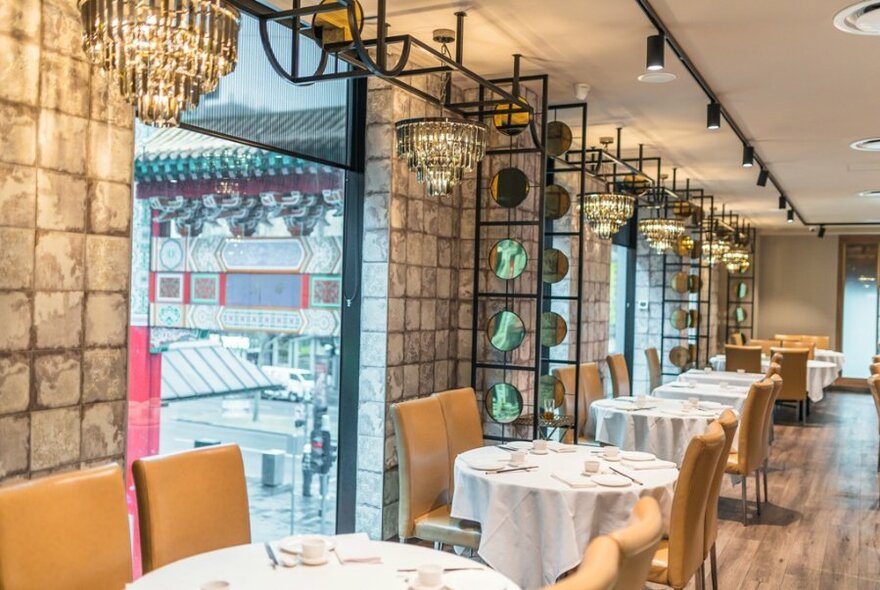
(638, 543)
(749, 455)
(822, 342)
(811, 346)
(875, 369)
(423, 463)
(737, 339)
(598, 570)
(590, 384)
(66, 532)
(875, 359)
(773, 368)
(728, 422)
(655, 371)
(794, 378)
(765, 345)
(776, 379)
(680, 556)
(745, 358)
(464, 427)
(619, 375)
(191, 502)
(874, 386)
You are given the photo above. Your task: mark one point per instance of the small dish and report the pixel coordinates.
(537, 452)
(637, 456)
(293, 543)
(610, 459)
(611, 480)
(313, 562)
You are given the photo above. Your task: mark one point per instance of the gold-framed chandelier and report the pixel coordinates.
(608, 212)
(715, 250)
(164, 55)
(440, 150)
(662, 233)
(737, 258)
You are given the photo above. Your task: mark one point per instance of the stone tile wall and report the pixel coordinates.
(66, 149)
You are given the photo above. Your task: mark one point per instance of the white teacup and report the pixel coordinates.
(518, 457)
(641, 401)
(741, 371)
(215, 585)
(539, 445)
(591, 466)
(611, 452)
(313, 549)
(707, 369)
(694, 402)
(430, 575)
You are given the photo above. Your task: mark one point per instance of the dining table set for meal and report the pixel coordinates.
(513, 490)
(820, 373)
(341, 562)
(663, 427)
(730, 393)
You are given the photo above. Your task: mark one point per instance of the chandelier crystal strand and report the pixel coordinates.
(164, 55)
(608, 212)
(662, 233)
(440, 150)
(736, 258)
(715, 250)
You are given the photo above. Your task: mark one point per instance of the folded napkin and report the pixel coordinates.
(357, 548)
(646, 465)
(574, 480)
(562, 448)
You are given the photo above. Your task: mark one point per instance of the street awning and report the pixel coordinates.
(209, 371)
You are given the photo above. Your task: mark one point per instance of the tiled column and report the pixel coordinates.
(66, 151)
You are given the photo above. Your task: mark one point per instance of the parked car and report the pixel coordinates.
(298, 383)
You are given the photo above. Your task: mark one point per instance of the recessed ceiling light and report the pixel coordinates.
(862, 18)
(657, 77)
(875, 193)
(870, 144)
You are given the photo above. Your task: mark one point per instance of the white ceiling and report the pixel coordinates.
(800, 89)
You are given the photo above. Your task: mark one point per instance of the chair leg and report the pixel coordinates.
(743, 488)
(807, 402)
(701, 577)
(766, 468)
(713, 567)
(758, 491)
(438, 546)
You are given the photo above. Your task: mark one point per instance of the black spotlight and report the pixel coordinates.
(821, 231)
(656, 57)
(713, 115)
(782, 202)
(762, 177)
(748, 156)
(790, 217)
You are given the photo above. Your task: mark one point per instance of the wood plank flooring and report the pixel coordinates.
(821, 526)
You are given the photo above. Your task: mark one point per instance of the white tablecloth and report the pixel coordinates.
(733, 395)
(246, 567)
(534, 527)
(831, 356)
(716, 377)
(663, 430)
(820, 374)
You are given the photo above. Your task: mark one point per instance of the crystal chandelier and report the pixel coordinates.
(735, 258)
(714, 250)
(608, 212)
(440, 150)
(164, 55)
(662, 233)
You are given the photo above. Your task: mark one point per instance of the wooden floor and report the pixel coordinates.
(821, 527)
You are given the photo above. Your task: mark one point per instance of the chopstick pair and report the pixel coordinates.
(629, 477)
(529, 468)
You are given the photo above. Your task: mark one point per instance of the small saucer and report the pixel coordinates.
(537, 452)
(511, 464)
(414, 585)
(319, 561)
(612, 459)
(590, 473)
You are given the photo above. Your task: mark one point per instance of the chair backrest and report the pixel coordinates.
(747, 358)
(687, 521)
(787, 336)
(654, 371)
(750, 450)
(65, 532)
(638, 542)
(875, 359)
(794, 373)
(598, 570)
(773, 368)
(776, 379)
(728, 422)
(619, 375)
(765, 345)
(875, 368)
(874, 386)
(191, 502)
(811, 346)
(590, 384)
(464, 427)
(823, 342)
(422, 458)
(737, 339)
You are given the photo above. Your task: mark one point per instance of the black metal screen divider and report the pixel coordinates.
(733, 302)
(480, 224)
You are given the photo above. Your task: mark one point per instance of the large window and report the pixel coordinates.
(617, 308)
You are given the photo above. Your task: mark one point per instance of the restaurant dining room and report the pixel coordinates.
(423, 295)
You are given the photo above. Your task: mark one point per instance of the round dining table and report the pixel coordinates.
(664, 427)
(537, 523)
(820, 374)
(247, 567)
(724, 393)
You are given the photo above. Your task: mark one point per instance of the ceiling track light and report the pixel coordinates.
(656, 59)
(748, 156)
(790, 216)
(713, 115)
(763, 176)
(783, 203)
(821, 231)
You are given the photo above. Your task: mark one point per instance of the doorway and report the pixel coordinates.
(858, 304)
